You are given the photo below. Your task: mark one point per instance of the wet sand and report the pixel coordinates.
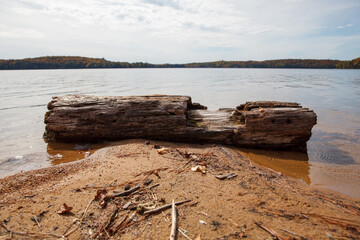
(219, 209)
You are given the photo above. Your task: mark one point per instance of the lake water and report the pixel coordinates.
(332, 160)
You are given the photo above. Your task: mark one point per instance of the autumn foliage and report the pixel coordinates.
(65, 62)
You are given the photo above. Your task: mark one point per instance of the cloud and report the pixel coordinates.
(346, 26)
(165, 3)
(180, 31)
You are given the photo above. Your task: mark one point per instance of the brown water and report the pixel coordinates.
(332, 160)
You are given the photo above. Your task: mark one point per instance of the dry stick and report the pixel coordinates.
(173, 222)
(117, 226)
(125, 193)
(155, 185)
(164, 207)
(129, 224)
(82, 217)
(272, 232)
(183, 233)
(87, 207)
(37, 222)
(32, 234)
(127, 155)
(345, 206)
(295, 234)
(152, 171)
(107, 233)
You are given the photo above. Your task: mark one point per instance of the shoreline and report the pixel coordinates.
(257, 193)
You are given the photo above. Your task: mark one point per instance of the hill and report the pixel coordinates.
(74, 62)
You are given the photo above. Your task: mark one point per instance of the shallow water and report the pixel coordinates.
(332, 160)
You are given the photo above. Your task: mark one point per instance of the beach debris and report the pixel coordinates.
(37, 218)
(202, 222)
(163, 151)
(87, 154)
(173, 232)
(164, 207)
(142, 207)
(28, 233)
(126, 193)
(127, 205)
(58, 156)
(148, 182)
(153, 186)
(183, 232)
(203, 213)
(198, 168)
(269, 230)
(76, 190)
(118, 224)
(226, 176)
(236, 235)
(100, 194)
(295, 234)
(198, 237)
(216, 224)
(105, 218)
(154, 171)
(64, 209)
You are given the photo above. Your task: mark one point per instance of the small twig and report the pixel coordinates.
(295, 234)
(129, 224)
(37, 221)
(345, 206)
(173, 222)
(152, 171)
(125, 193)
(272, 232)
(183, 233)
(107, 234)
(164, 207)
(80, 221)
(32, 234)
(126, 155)
(87, 207)
(155, 185)
(233, 222)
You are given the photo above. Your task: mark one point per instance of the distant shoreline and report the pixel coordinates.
(74, 62)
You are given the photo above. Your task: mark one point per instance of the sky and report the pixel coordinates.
(180, 31)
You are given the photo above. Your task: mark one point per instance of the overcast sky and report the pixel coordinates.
(180, 31)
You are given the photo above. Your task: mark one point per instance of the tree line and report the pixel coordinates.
(65, 62)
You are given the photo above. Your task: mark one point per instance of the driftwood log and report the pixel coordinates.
(265, 124)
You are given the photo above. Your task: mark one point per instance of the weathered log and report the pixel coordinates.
(176, 118)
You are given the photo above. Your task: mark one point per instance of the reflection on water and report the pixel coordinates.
(69, 152)
(293, 164)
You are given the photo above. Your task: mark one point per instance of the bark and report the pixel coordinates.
(176, 118)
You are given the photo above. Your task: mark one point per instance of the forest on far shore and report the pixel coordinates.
(70, 62)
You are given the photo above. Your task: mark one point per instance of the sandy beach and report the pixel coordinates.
(252, 202)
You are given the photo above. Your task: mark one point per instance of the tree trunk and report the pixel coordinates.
(176, 118)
